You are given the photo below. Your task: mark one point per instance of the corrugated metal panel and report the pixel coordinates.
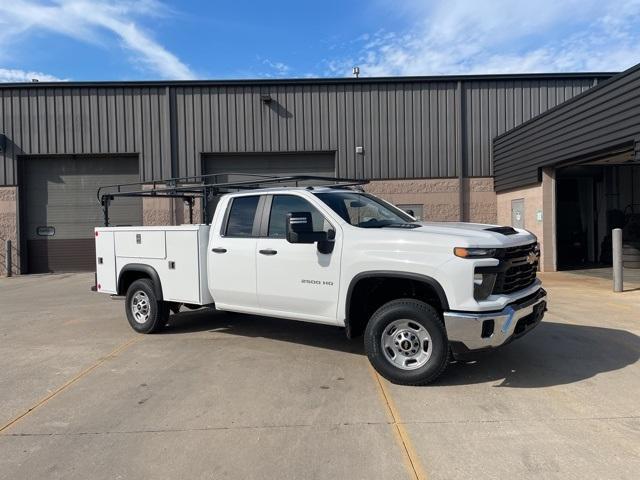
(410, 128)
(608, 117)
(386, 120)
(84, 121)
(493, 108)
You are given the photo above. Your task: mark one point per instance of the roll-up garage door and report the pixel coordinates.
(280, 164)
(60, 209)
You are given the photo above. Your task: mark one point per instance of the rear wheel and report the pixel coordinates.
(146, 314)
(406, 342)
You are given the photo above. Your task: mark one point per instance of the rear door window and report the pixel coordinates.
(241, 216)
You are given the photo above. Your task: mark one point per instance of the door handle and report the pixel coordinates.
(268, 251)
(219, 250)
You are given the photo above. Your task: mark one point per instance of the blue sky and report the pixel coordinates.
(153, 39)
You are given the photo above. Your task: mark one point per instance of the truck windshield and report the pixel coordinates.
(364, 210)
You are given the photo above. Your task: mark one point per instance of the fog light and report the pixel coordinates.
(483, 285)
(487, 328)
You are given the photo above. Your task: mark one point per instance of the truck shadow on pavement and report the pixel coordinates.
(553, 354)
(238, 324)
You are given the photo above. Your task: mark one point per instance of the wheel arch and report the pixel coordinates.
(135, 271)
(354, 323)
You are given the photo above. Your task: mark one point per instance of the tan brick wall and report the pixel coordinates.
(168, 211)
(537, 198)
(480, 200)
(441, 197)
(157, 211)
(9, 228)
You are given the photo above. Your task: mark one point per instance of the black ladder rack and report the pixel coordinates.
(207, 187)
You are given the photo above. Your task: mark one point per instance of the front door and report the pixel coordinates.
(295, 280)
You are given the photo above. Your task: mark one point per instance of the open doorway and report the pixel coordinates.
(593, 199)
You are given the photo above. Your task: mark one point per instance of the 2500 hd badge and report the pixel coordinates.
(317, 282)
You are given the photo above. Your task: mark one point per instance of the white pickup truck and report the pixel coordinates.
(420, 292)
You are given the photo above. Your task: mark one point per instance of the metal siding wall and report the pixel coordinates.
(387, 120)
(408, 130)
(84, 120)
(608, 117)
(492, 108)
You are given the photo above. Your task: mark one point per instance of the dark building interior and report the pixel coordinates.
(593, 199)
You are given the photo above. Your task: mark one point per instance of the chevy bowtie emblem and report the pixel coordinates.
(532, 258)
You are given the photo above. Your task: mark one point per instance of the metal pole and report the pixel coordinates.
(617, 259)
(8, 257)
(205, 206)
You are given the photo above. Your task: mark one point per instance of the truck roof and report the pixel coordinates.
(309, 188)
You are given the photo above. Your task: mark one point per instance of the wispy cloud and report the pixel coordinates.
(96, 22)
(280, 68)
(502, 36)
(16, 76)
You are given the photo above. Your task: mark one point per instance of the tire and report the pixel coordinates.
(146, 314)
(401, 325)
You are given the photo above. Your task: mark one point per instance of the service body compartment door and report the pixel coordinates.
(141, 244)
(181, 275)
(105, 262)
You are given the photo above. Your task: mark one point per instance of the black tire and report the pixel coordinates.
(416, 312)
(156, 312)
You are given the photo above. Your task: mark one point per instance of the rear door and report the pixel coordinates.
(232, 254)
(295, 280)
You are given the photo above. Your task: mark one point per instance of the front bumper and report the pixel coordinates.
(472, 331)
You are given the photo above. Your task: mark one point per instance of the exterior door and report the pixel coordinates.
(232, 255)
(295, 280)
(517, 213)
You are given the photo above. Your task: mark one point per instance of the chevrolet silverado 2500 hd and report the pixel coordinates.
(420, 292)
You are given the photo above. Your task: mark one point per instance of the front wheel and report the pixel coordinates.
(146, 314)
(406, 342)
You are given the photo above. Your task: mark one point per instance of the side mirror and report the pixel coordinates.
(300, 228)
(410, 212)
(326, 244)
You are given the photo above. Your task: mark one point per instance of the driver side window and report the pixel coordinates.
(283, 204)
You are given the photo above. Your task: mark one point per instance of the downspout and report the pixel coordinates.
(461, 157)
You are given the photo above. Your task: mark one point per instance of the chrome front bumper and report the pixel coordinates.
(478, 331)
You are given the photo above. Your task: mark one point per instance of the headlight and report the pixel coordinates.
(483, 285)
(463, 252)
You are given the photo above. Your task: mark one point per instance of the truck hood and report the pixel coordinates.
(476, 234)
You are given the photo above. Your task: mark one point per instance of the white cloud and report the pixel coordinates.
(17, 76)
(96, 22)
(279, 68)
(503, 36)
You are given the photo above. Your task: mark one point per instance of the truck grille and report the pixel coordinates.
(518, 271)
